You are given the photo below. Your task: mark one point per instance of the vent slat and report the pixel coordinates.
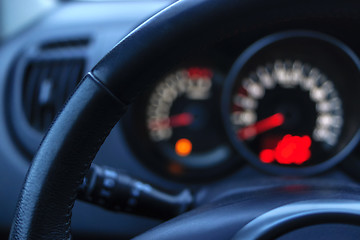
(47, 85)
(35, 117)
(32, 73)
(46, 96)
(72, 43)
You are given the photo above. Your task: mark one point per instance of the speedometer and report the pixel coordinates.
(285, 105)
(288, 112)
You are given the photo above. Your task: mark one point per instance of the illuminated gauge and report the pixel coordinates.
(288, 106)
(169, 107)
(284, 109)
(183, 130)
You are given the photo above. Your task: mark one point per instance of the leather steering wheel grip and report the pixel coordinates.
(48, 195)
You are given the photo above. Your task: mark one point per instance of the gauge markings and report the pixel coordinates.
(289, 74)
(192, 83)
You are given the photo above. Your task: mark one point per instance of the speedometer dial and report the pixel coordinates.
(288, 112)
(284, 106)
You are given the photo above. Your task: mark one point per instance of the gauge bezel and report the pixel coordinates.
(152, 157)
(232, 79)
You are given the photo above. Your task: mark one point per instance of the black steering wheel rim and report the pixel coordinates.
(49, 193)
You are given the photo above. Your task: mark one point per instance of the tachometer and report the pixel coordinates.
(183, 119)
(181, 126)
(285, 106)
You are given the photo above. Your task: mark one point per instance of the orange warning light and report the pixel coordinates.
(183, 147)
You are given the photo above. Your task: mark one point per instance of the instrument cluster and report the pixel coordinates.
(288, 106)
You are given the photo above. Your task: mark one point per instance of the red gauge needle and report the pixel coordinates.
(261, 126)
(181, 120)
(178, 120)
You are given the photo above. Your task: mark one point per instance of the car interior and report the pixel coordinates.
(187, 119)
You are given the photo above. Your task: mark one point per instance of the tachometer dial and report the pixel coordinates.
(175, 103)
(183, 130)
(183, 120)
(285, 106)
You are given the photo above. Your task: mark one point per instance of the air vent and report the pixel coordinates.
(47, 84)
(41, 79)
(68, 43)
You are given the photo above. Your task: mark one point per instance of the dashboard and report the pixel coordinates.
(279, 104)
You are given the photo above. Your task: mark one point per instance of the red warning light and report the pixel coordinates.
(267, 156)
(289, 150)
(196, 73)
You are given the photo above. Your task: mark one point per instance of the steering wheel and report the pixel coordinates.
(65, 155)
